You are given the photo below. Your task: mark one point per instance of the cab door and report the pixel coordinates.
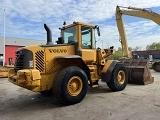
(87, 43)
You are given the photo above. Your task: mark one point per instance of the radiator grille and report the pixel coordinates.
(19, 62)
(39, 58)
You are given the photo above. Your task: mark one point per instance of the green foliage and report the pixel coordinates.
(119, 48)
(150, 65)
(129, 48)
(117, 55)
(153, 46)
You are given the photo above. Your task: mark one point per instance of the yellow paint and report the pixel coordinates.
(121, 77)
(29, 79)
(49, 60)
(107, 65)
(74, 86)
(88, 55)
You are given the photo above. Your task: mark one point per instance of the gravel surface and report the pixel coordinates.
(136, 102)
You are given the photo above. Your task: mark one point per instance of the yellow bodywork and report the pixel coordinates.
(48, 60)
(29, 79)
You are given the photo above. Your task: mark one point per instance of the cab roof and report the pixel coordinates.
(78, 23)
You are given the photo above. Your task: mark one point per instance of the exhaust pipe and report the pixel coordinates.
(49, 35)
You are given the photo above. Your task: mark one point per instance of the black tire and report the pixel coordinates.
(115, 83)
(47, 92)
(156, 66)
(64, 87)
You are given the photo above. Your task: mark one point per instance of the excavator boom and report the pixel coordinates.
(142, 13)
(132, 11)
(138, 68)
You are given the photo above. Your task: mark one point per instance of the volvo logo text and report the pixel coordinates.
(57, 50)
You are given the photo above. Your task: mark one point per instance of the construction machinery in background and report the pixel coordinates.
(138, 68)
(67, 68)
(156, 66)
(4, 69)
(154, 58)
(3, 72)
(137, 12)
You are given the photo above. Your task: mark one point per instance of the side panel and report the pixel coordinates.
(52, 52)
(88, 55)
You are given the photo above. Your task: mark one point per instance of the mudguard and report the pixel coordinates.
(78, 59)
(107, 70)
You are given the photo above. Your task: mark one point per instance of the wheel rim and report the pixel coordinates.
(121, 77)
(74, 86)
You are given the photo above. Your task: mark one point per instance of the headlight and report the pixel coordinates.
(30, 63)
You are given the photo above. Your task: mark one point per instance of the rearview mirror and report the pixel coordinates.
(98, 31)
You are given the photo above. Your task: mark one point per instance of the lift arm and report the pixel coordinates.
(132, 11)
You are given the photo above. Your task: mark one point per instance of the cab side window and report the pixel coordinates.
(69, 35)
(86, 37)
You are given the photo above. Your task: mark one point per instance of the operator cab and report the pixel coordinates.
(81, 33)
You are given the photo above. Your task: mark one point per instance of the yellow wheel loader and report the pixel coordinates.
(67, 68)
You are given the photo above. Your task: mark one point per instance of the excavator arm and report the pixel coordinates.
(132, 11)
(137, 68)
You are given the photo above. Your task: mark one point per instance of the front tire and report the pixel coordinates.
(70, 85)
(119, 78)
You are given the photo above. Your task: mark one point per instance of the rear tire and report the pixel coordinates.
(70, 85)
(156, 66)
(119, 78)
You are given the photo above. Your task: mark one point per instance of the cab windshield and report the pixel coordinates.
(69, 34)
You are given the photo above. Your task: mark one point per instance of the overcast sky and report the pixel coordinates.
(25, 19)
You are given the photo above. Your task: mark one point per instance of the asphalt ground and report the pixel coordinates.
(136, 102)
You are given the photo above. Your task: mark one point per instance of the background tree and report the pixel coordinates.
(137, 48)
(130, 48)
(119, 48)
(153, 46)
(117, 55)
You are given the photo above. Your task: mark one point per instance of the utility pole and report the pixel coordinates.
(102, 43)
(4, 38)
